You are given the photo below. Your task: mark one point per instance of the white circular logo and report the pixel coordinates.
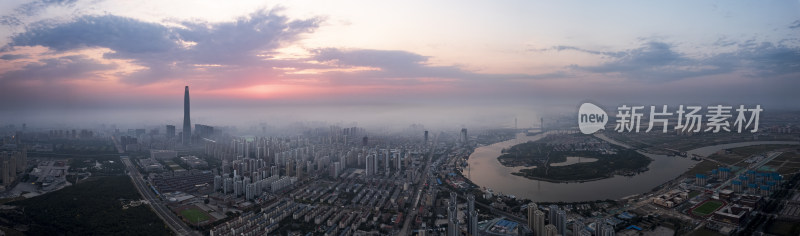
(591, 118)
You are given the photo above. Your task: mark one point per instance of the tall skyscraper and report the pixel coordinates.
(453, 215)
(187, 124)
(561, 222)
(8, 172)
(218, 181)
(464, 138)
(538, 222)
(170, 131)
(238, 186)
(551, 214)
(472, 215)
(452, 221)
(227, 185)
(532, 207)
(541, 124)
(369, 169)
(386, 162)
(550, 230)
(398, 165)
(298, 170)
(289, 167)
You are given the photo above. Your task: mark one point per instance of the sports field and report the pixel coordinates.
(707, 208)
(194, 215)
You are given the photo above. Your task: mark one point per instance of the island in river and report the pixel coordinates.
(543, 157)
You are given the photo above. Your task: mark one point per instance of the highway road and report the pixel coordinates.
(172, 220)
(162, 211)
(418, 189)
(754, 166)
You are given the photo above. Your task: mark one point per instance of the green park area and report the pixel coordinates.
(620, 161)
(93, 207)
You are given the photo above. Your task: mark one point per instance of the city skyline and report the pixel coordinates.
(74, 58)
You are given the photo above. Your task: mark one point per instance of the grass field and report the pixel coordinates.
(702, 168)
(756, 149)
(693, 193)
(741, 153)
(194, 215)
(707, 208)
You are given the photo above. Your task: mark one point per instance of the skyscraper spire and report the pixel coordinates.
(187, 125)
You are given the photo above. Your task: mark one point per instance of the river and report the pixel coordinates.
(485, 171)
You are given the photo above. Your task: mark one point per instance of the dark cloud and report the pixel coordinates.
(609, 54)
(394, 67)
(9, 57)
(30, 9)
(121, 34)
(657, 62)
(239, 41)
(56, 69)
(174, 52)
(653, 61)
(10, 20)
(33, 8)
(652, 54)
(405, 68)
(724, 42)
(795, 25)
(768, 59)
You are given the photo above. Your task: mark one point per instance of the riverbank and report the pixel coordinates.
(560, 181)
(487, 172)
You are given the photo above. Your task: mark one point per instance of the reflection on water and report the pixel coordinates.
(485, 171)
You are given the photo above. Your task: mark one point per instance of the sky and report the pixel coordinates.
(462, 62)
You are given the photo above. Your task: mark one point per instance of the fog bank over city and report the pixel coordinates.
(377, 118)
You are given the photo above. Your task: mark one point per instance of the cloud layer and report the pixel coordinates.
(175, 52)
(242, 61)
(659, 62)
